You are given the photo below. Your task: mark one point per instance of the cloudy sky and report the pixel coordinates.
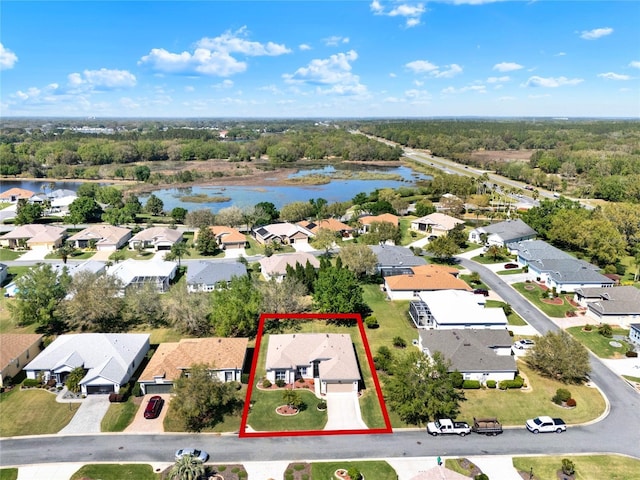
(379, 58)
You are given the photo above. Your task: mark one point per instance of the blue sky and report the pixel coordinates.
(320, 58)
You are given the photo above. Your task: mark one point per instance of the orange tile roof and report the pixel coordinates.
(227, 234)
(428, 277)
(170, 359)
(329, 223)
(384, 217)
(17, 192)
(13, 345)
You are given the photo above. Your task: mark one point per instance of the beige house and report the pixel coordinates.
(224, 356)
(16, 350)
(158, 238)
(34, 237)
(285, 233)
(367, 220)
(14, 194)
(435, 224)
(275, 266)
(106, 237)
(228, 238)
(342, 229)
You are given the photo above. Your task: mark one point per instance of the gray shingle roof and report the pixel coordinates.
(623, 300)
(210, 273)
(570, 270)
(389, 255)
(534, 249)
(509, 230)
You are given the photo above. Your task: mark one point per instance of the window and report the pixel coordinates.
(302, 371)
(281, 374)
(228, 376)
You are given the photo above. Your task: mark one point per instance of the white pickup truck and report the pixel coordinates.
(446, 426)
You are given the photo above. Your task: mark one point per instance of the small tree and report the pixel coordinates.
(560, 356)
(568, 467)
(383, 360)
(354, 474)
(74, 378)
(187, 467)
(292, 398)
(605, 330)
(399, 342)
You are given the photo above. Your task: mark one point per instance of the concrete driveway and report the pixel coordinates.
(89, 416)
(149, 425)
(343, 412)
(36, 254)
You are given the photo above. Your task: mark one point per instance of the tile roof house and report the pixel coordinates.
(34, 237)
(344, 230)
(158, 238)
(110, 359)
(275, 266)
(435, 224)
(421, 279)
(135, 273)
(106, 237)
(285, 233)
(613, 305)
(502, 233)
(329, 358)
(228, 238)
(455, 309)
(477, 354)
(14, 194)
(16, 350)
(203, 276)
(394, 260)
(224, 356)
(367, 220)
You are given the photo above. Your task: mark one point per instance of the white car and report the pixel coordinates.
(544, 424)
(524, 344)
(199, 455)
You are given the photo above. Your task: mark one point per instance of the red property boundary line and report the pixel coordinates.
(298, 433)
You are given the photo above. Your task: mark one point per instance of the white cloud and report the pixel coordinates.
(634, 64)
(469, 88)
(498, 79)
(424, 66)
(7, 58)
(418, 83)
(392, 75)
(614, 76)
(212, 56)
(451, 71)
(226, 83)
(551, 82)
(335, 40)
(507, 66)
(102, 79)
(421, 66)
(303, 46)
(410, 11)
(334, 72)
(596, 33)
(560, 54)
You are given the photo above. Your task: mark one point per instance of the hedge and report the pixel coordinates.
(518, 382)
(471, 384)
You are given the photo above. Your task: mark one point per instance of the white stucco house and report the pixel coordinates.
(503, 233)
(613, 305)
(134, 273)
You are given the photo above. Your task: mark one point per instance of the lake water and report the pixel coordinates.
(335, 191)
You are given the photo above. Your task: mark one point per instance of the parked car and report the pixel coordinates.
(509, 266)
(524, 344)
(199, 455)
(544, 424)
(481, 291)
(446, 426)
(154, 406)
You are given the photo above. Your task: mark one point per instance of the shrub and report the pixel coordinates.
(322, 405)
(116, 398)
(471, 384)
(399, 342)
(562, 395)
(481, 476)
(571, 402)
(299, 466)
(605, 330)
(136, 391)
(266, 383)
(280, 383)
(371, 322)
(517, 382)
(383, 359)
(244, 378)
(587, 328)
(568, 467)
(31, 382)
(457, 379)
(491, 384)
(510, 333)
(631, 354)
(354, 473)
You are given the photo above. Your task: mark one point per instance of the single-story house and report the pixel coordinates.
(109, 359)
(34, 237)
(17, 350)
(422, 279)
(106, 237)
(228, 238)
(203, 276)
(224, 356)
(614, 305)
(455, 309)
(275, 266)
(342, 229)
(634, 333)
(328, 358)
(529, 250)
(74, 269)
(14, 194)
(158, 238)
(284, 233)
(503, 233)
(60, 201)
(366, 221)
(435, 224)
(477, 354)
(395, 260)
(567, 274)
(135, 273)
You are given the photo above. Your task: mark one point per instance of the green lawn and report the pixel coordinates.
(7, 255)
(487, 260)
(79, 255)
(119, 416)
(467, 278)
(127, 254)
(512, 271)
(588, 467)
(514, 407)
(45, 414)
(263, 417)
(8, 473)
(532, 292)
(172, 422)
(116, 472)
(408, 235)
(371, 409)
(599, 344)
(513, 318)
(370, 470)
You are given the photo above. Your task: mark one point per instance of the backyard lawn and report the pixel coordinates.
(45, 414)
(588, 467)
(263, 416)
(599, 344)
(513, 407)
(557, 307)
(370, 470)
(115, 472)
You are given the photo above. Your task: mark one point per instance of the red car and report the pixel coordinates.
(154, 406)
(511, 265)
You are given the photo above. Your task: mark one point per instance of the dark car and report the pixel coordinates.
(153, 407)
(511, 265)
(481, 291)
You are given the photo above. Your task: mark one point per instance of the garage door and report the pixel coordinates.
(339, 387)
(157, 388)
(91, 389)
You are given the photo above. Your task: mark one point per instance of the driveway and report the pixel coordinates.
(303, 247)
(152, 425)
(343, 410)
(88, 417)
(36, 254)
(102, 255)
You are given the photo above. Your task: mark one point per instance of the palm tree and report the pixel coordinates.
(494, 251)
(65, 251)
(187, 468)
(179, 250)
